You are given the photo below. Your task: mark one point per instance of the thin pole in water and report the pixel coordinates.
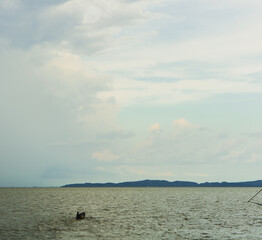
(254, 195)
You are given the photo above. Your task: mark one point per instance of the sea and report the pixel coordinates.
(130, 213)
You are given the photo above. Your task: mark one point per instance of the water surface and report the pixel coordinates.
(130, 213)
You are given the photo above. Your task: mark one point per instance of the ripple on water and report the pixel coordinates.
(129, 213)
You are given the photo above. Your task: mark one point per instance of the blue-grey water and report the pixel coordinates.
(130, 213)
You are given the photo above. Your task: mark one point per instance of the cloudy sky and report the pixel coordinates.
(123, 90)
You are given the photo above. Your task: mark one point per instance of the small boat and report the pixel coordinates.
(81, 215)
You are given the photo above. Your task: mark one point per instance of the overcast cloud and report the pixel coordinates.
(97, 91)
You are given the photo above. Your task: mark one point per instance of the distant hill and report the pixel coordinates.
(163, 183)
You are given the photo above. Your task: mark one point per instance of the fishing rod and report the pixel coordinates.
(254, 195)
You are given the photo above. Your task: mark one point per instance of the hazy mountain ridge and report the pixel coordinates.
(164, 183)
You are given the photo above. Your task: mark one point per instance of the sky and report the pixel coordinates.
(126, 90)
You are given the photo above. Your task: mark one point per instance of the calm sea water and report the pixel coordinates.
(130, 213)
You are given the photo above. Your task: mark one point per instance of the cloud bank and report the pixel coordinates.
(126, 90)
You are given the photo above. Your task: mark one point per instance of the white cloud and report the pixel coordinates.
(74, 25)
(132, 92)
(183, 123)
(48, 107)
(154, 127)
(145, 172)
(194, 149)
(9, 4)
(254, 158)
(68, 68)
(105, 156)
(196, 174)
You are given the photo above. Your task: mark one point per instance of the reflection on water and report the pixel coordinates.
(130, 213)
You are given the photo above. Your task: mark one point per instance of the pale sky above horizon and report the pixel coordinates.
(125, 90)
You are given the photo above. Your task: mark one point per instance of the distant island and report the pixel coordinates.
(163, 183)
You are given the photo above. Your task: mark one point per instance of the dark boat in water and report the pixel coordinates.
(81, 215)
